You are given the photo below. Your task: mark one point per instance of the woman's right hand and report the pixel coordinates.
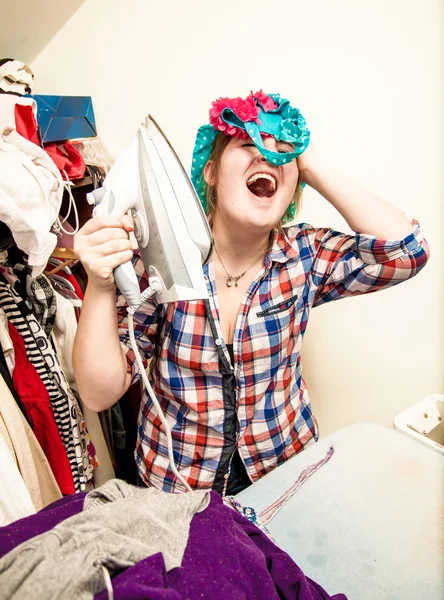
(101, 245)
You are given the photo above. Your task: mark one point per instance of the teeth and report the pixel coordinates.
(257, 176)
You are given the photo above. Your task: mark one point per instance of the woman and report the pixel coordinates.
(227, 370)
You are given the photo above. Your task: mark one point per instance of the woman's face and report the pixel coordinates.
(252, 192)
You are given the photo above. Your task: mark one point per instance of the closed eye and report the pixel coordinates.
(284, 149)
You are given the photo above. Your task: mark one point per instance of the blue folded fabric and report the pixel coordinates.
(63, 118)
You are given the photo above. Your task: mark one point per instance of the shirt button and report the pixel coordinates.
(218, 342)
(226, 475)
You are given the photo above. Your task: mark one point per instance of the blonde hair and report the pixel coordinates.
(220, 143)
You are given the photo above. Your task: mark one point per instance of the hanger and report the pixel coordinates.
(64, 282)
(67, 254)
(56, 262)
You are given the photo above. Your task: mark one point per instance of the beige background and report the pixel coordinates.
(368, 77)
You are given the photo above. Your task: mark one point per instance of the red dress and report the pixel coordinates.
(35, 399)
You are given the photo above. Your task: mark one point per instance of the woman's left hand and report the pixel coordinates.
(309, 165)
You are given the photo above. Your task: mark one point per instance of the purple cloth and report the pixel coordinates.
(226, 557)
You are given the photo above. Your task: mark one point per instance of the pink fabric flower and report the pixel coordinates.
(246, 110)
(265, 101)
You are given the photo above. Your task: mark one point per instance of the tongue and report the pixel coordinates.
(261, 188)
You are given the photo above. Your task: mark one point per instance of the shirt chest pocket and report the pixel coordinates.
(271, 328)
(274, 309)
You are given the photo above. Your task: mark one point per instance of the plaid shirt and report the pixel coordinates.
(191, 367)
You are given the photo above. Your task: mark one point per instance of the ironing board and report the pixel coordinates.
(370, 522)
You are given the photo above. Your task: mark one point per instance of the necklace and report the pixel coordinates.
(233, 279)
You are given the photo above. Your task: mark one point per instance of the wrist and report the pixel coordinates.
(100, 289)
(316, 175)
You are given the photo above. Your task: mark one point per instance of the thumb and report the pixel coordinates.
(127, 223)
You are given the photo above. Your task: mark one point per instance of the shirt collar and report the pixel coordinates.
(281, 250)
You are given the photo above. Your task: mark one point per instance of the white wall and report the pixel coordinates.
(27, 26)
(367, 76)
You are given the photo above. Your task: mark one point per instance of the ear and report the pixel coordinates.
(208, 172)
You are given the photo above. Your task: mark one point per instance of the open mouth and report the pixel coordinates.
(262, 185)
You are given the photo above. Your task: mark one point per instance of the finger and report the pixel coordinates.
(127, 223)
(123, 257)
(101, 222)
(106, 235)
(104, 266)
(112, 247)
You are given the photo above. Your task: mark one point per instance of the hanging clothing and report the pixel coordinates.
(63, 334)
(62, 337)
(6, 343)
(59, 401)
(7, 379)
(42, 295)
(5, 435)
(44, 303)
(62, 286)
(7, 276)
(29, 456)
(49, 490)
(37, 290)
(84, 449)
(15, 501)
(36, 400)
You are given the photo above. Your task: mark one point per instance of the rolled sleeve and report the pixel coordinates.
(376, 251)
(360, 264)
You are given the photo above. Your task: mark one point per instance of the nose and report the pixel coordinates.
(260, 158)
(270, 143)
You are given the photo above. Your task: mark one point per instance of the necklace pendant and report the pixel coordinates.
(229, 282)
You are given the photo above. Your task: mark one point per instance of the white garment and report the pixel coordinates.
(31, 190)
(15, 501)
(63, 334)
(6, 343)
(27, 452)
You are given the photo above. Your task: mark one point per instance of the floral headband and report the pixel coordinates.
(251, 117)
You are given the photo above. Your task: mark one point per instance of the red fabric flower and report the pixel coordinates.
(265, 101)
(246, 110)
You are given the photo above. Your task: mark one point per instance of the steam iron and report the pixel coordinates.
(170, 226)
